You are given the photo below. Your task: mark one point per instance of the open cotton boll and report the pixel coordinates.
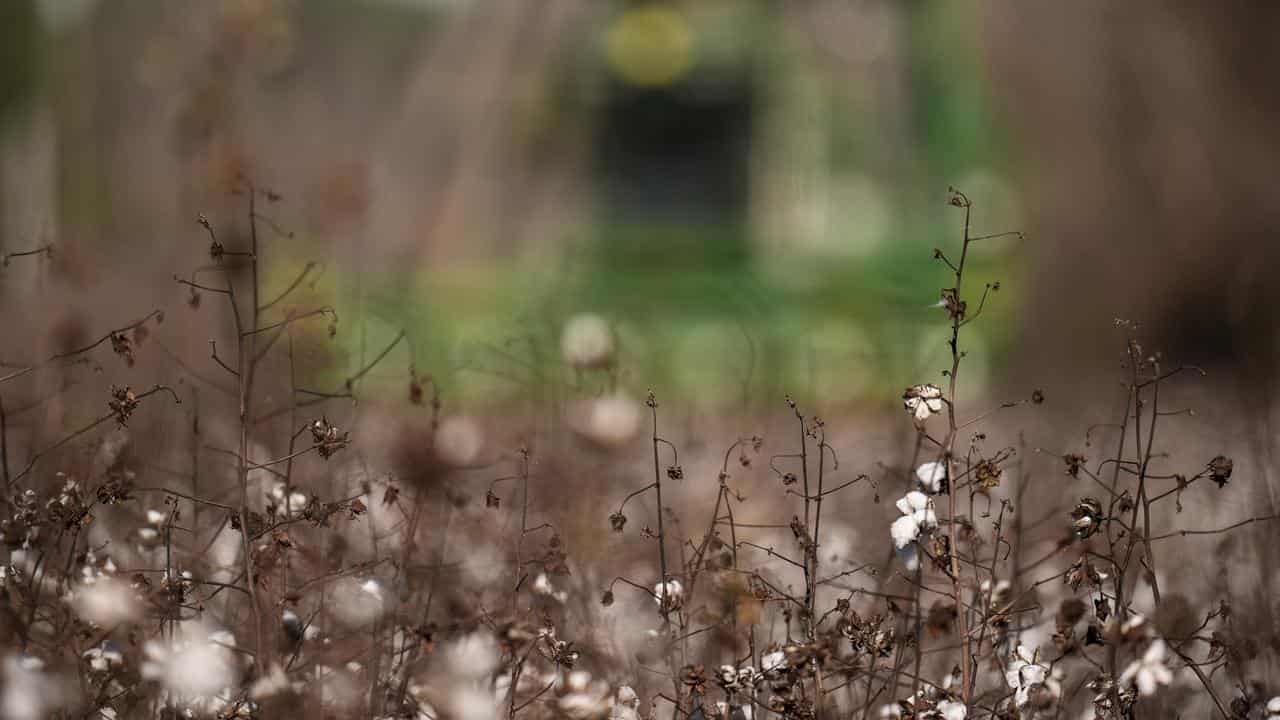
(105, 602)
(287, 503)
(917, 516)
(459, 441)
(1149, 671)
(104, 657)
(904, 531)
(470, 702)
(930, 476)
(542, 586)
(585, 698)
(472, 657)
(197, 665)
(610, 420)
(587, 341)
(669, 595)
(29, 692)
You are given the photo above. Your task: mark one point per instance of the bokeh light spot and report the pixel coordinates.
(650, 46)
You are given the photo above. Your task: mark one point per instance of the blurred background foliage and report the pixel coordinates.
(749, 191)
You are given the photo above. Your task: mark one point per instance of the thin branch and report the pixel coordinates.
(311, 265)
(78, 351)
(46, 249)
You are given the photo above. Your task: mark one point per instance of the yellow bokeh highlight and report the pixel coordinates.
(650, 46)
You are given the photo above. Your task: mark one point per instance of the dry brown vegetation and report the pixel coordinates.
(241, 542)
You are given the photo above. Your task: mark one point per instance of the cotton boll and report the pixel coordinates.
(198, 664)
(1149, 672)
(542, 586)
(201, 669)
(585, 699)
(459, 441)
(610, 420)
(287, 503)
(105, 602)
(904, 531)
(773, 662)
(472, 703)
(669, 595)
(29, 693)
(587, 341)
(103, 657)
(930, 476)
(472, 657)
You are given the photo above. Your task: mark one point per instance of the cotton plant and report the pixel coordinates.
(585, 698)
(485, 649)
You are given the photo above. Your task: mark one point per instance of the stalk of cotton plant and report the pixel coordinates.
(924, 401)
(663, 608)
(957, 313)
(254, 338)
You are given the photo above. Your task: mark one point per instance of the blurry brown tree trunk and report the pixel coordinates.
(1152, 128)
(464, 169)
